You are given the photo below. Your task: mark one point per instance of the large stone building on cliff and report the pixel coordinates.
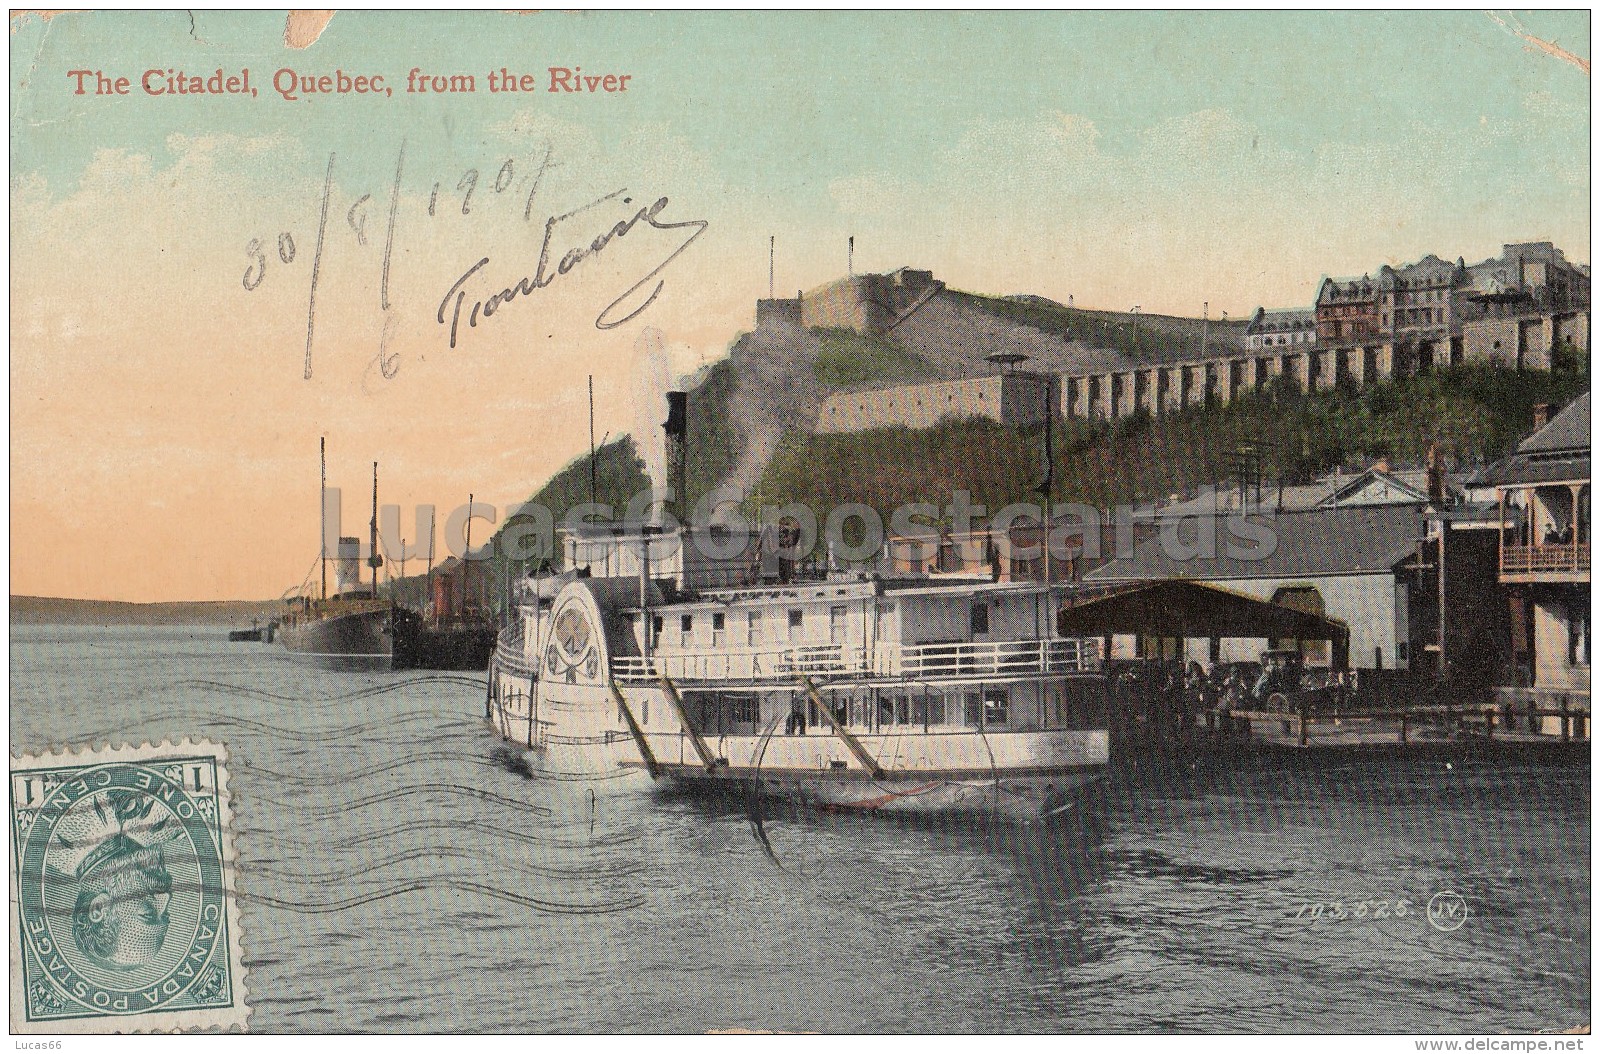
(1521, 310)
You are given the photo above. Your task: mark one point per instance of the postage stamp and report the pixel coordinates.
(123, 917)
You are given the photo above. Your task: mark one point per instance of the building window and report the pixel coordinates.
(980, 619)
(686, 627)
(796, 623)
(752, 633)
(972, 709)
(745, 709)
(996, 707)
(719, 625)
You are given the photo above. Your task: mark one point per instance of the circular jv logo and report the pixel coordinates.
(1447, 911)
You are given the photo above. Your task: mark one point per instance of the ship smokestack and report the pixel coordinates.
(347, 565)
(676, 428)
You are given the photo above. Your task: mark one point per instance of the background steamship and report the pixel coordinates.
(353, 623)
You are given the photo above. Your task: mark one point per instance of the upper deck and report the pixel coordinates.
(856, 628)
(943, 662)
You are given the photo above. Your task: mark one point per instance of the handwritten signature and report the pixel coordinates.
(455, 301)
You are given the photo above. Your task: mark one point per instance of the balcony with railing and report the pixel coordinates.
(956, 660)
(1556, 561)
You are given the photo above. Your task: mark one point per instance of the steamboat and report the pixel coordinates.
(840, 688)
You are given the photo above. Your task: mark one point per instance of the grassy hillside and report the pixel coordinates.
(715, 438)
(1476, 412)
(848, 359)
(619, 475)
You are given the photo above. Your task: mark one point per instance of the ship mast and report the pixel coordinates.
(322, 517)
(375, 561)
(466, 560)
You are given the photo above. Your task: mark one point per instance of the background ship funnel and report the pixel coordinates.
(676, 429)
(347, 565)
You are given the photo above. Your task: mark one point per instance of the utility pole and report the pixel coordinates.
(1135, 314)
(1047, 485)
(851, 256)
(772, 265)
(1444, 532)
(427, 600)
(1205, 326)
(466, 560)
(592, 476)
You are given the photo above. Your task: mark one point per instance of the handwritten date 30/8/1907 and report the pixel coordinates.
(569, 240)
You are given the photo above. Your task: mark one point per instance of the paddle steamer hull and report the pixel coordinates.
(1019, 798)
(1009, 729)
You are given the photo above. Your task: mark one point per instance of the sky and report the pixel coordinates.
(166, 280)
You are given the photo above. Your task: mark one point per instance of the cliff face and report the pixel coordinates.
(775, 391)
(782, 372)
(757, 418)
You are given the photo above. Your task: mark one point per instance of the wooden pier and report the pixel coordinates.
(1174, 730)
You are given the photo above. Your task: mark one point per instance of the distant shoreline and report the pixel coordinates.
(59, 611)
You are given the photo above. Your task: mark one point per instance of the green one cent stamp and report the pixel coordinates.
(123, 911)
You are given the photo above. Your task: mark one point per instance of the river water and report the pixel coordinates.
(400, 870)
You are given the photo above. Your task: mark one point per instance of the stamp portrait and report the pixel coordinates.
(122, 913)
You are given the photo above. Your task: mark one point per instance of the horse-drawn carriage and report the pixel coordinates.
(1287, 686)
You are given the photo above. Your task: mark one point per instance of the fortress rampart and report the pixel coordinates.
(1512, 333)
(1017, 398)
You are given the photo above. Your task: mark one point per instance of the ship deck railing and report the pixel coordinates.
(510, 655)
(1013, 658)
